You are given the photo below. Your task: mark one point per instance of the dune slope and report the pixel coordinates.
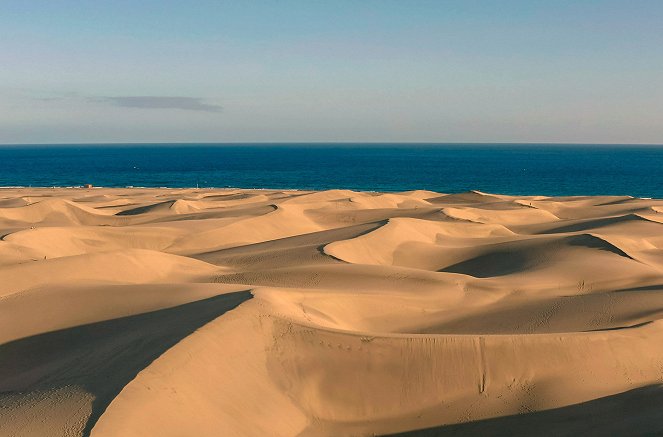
(163, 312)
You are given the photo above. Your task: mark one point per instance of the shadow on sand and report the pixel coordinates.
(103, 357)
(632, 413)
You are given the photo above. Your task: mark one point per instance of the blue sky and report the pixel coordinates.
(431, 71)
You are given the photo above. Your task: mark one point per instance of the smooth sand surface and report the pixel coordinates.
(171, 312)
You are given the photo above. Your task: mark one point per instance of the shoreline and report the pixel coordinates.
(18, 187)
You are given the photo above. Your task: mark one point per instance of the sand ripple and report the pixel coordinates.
(254, 312)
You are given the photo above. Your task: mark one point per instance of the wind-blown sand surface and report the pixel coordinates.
(157, 312)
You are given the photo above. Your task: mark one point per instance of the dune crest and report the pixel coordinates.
(141, 312)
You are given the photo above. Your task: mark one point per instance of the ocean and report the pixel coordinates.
(525, 169)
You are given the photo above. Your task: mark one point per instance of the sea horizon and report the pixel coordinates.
(327, 143)
(549, 169)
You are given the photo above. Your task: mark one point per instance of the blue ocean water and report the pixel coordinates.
(507, 169)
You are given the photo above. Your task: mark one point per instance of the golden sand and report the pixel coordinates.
(159, 312)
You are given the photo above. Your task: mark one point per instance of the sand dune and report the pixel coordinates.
(164, 312)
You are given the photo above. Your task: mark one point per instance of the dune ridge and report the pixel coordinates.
(143, 312)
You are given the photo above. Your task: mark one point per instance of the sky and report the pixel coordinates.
(583, 71)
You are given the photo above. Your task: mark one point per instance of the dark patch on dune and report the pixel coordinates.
(586, 225)
(469, 197)
(215, 213)
(517, 256)
(223, 197)
(635, 412)
(595, 242)
(147, 208)
(621, 328)
(496, 263)
(619, 201)
(13, 203)
(308, 247)
(655, 287)
(103, 357)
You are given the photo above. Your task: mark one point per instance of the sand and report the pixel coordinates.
(198, 312)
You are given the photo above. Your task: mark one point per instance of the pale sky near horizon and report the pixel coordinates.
(76, 71)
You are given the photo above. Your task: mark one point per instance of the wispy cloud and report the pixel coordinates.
(162, 102)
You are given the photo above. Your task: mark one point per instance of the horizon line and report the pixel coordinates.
(304, 143)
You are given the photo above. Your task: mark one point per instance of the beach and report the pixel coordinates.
(238, 312)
